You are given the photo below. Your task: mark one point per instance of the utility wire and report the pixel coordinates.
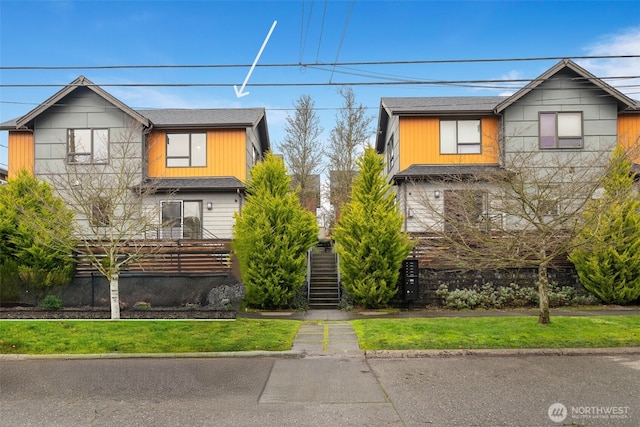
(324, 13)
(308, 84)
(306, 33)
(329, 64)
(344, 33)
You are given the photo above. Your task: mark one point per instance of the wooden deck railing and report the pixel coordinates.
(178, 256)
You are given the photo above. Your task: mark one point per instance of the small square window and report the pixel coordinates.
(186, 149)
(460, 137)
(87, 145)
(561, 130)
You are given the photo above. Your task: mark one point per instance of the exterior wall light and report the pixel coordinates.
(209, 206)
(436, 194)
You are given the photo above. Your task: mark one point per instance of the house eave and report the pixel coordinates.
(81, 81)
(628, 103)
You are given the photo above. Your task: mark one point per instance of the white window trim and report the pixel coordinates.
(459, 144)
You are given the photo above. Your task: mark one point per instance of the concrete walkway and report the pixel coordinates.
(328, 333)
(333, 338)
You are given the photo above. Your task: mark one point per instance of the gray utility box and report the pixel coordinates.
(409, 279)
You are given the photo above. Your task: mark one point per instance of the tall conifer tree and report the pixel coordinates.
(607, 258)
(272, 236)
(369, 236)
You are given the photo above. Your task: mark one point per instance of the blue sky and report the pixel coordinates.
(102, 33)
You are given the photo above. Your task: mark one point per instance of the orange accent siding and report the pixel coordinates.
(21, 153)
(226, 156)
(420, 143)
(629, 135)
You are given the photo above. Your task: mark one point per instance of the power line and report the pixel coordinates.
(310, 84)
(303, 37)
(324, 13)
(344, 33)
(329, 64)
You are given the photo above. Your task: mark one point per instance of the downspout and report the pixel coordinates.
(145, 152)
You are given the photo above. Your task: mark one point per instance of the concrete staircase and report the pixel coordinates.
(324, 291)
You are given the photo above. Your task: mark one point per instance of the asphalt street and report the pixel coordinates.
(471, 390)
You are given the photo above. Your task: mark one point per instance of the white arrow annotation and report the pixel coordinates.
(240, 93)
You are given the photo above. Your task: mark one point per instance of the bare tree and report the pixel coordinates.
(347, 140)
(302, 150)
(109, 196)
(525, 214)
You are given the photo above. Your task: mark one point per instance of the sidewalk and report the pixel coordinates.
(328, 333)
(432, 313)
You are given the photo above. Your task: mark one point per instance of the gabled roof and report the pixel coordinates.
(79, 82)
(166, 118)
(625, 102)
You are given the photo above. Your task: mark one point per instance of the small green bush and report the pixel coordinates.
(488, 296)
(51, 303)
(346, 301)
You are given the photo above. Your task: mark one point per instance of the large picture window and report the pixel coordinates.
(561, 130)
(186, 149)
(88, 145)
(181, 219)
(465, 208)
(460, 137)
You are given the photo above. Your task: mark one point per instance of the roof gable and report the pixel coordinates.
(625, 102)
(79, 82)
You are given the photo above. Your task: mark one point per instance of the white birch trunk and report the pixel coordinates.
(114, 297)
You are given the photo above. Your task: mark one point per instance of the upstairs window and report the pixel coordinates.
(460, 137)
(88, 145)
(561, 130)
(256, 155)
(390, 155)
(186, 149)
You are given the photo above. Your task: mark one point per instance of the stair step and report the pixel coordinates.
(323, 284)
(333, 293)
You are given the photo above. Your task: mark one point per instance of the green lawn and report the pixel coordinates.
(497, 332)
(131, 336)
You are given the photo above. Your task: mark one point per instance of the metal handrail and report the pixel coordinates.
(309, 274)
(338, 271)
(206, 234)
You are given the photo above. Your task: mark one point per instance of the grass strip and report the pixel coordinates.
(498, 333)
(131, 336)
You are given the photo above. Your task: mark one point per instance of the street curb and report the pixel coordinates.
(417, 354)
(289, 354)
(368, 354)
